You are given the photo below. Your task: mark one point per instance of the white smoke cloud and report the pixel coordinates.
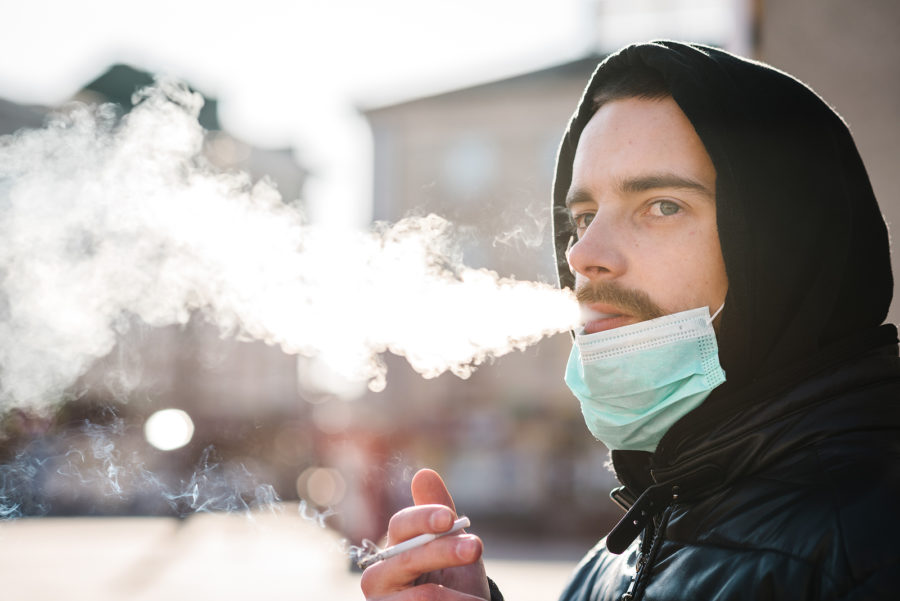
(105, 220)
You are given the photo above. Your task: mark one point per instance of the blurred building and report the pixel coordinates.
(850, 54)
(118, 85)
(728, 24)
(16, 116)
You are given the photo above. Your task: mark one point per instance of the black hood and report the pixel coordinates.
(805, 246)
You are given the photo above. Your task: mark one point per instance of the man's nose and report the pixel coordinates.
(597, 254)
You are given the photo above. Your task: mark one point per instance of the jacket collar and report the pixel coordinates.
(744, 432)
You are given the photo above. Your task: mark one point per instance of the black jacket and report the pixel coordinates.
(785, 482)
(795, 497)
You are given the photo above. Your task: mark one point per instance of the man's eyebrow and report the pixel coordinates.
(578, 195)
(643, 183)
(654, 181)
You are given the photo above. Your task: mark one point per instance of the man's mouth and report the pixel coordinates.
(599, 318)
(607, 304)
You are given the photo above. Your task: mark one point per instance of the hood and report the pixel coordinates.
(805, 246)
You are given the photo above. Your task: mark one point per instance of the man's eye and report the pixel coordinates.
(582, 221)
(664, 208)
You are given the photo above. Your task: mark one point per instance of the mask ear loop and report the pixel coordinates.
(716, 314)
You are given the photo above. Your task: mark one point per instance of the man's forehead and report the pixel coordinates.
(637, 144)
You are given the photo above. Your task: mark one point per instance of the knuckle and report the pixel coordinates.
(392, 524)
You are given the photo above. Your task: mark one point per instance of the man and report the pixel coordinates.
(720, 230)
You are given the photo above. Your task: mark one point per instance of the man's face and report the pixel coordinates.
(644, 207)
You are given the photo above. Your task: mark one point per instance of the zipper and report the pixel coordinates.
(649, 534)
(650, 544)
(654, 500)
(658, 499)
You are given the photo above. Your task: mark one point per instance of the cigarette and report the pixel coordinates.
(413, 543)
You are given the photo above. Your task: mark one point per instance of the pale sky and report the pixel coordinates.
(290, 73)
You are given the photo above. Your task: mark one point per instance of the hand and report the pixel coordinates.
(446, 569)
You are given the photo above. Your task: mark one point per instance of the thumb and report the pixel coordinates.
(428, 488)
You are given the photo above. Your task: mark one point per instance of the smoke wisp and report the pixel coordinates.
(96, 468)
(105, 220)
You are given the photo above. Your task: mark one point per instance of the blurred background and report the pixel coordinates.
(358, 112)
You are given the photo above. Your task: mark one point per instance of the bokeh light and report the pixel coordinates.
(323, 486)
(169, 429)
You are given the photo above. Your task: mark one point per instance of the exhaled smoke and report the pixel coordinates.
(103, 220)
(529, 233)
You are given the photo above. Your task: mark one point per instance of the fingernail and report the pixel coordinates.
(466, 548)
(441, 520)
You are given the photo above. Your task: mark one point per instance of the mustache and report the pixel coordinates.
(630, 300)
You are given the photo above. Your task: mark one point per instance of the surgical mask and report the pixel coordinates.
(636, 381)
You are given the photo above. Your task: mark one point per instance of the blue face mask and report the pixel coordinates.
(634, 382)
